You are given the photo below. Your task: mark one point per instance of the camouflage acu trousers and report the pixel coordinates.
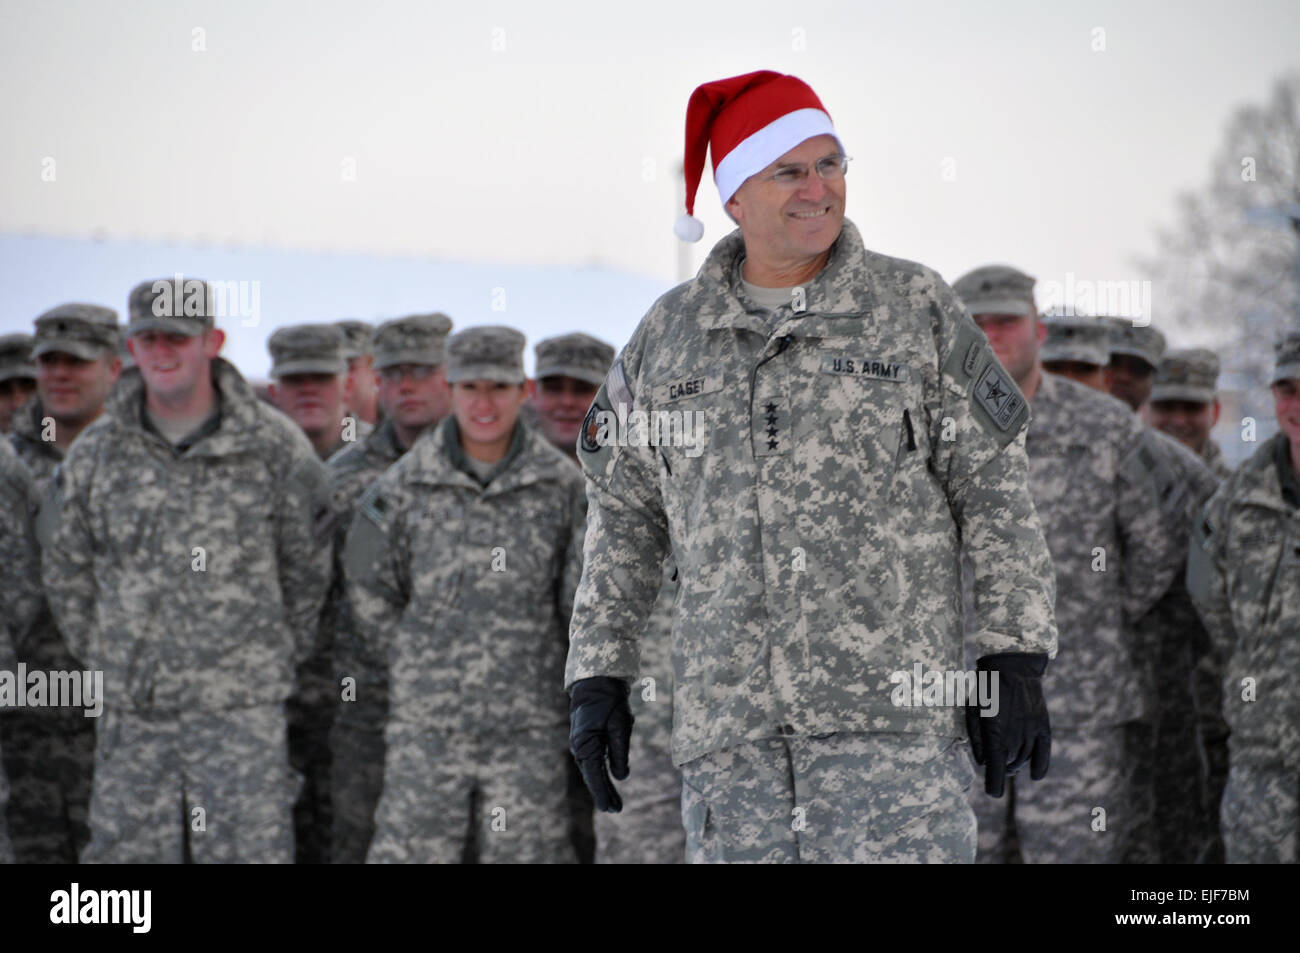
(1261, 811)
(1057, 819)
(48, 753)
(216, 785)
(838, 798)
(452, 797)
(649, 828)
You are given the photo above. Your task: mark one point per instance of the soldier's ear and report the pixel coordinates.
(530, 387)
(1040, 330)
(213, 341)
(1217, 408)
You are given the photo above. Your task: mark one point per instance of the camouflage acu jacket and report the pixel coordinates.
(1243, 574)
(194, 580)
(466, 590)
(1115, 508)
(847, 449)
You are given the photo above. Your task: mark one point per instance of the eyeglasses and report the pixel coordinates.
(829, 169)
(416, 372)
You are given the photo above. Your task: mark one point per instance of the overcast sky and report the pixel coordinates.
(548, 133)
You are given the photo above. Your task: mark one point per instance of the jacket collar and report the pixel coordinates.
(240, 425)
(437, 458)
(1257, 478)
(845, 287)
(27, 426)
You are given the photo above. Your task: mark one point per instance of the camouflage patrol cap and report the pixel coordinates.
(306, 349)
(82, 330)
(574, 355)
(1286, 355)
(357, 337)
(1125, 337)
(491, 352)
(996, 289)
(1075, 338)
(414, 339)
(177, 305)
(16, 356)
(1187, 374)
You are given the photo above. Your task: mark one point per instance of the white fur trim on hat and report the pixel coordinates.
(759, 150)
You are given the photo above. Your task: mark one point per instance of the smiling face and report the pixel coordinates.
(73, 389)
(787, 230)
(173, 365)
(562, 404)
(1187, 421)
(486, 412)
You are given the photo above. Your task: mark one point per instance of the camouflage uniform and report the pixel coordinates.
(312, 349)
(466, 587)
(50, 752)
(848, 446)
(1244, 576)
(357, 737)
(20, 586)
(1190, 745)
(649, 828)
(1100, 482)
(585, 358)
(197, 664)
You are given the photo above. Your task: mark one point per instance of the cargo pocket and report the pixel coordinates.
(701, 836)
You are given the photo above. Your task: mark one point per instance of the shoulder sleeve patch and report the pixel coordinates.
(596, 441)
(996, 402)
(374, 505)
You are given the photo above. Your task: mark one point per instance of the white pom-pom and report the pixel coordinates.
(688, 228)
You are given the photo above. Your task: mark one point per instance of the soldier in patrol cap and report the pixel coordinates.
(1244, 575)
(1135, 352)
(460, 566)
(570, 368)
(1075, 348)
(409, 358)
(1185, 403)
(797, 391)
(307, 382)
(185, 554)
(361, 395)
(17, 376)
(1102, 487)
(50, 751)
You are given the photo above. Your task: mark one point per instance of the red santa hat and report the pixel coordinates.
(747, 123)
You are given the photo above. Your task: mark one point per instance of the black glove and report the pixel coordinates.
(600, 725)
(1020, 731)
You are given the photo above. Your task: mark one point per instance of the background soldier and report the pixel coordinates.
(461, 565)
(409, 355)
(1135, 352)
(1075, 347)
(50, 751)
(17, 376)
(361, 390)
(308, 375)
(570, 369)
(20, 589)
(1185, 403)
(815, 521)
(186, 546)
(1111, 506)
(1243, 574)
